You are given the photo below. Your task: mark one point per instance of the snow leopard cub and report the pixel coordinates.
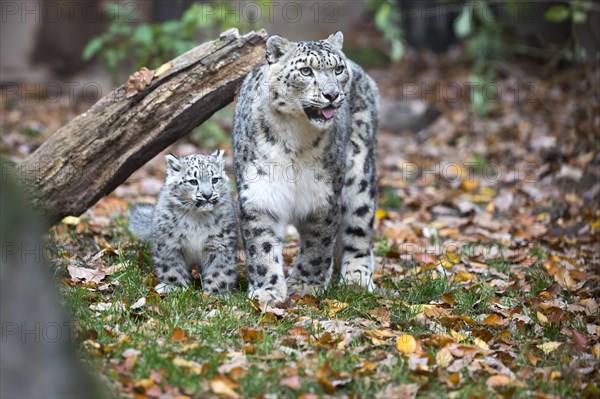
(304, 137)
(193, 223)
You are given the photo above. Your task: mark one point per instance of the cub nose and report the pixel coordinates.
(331, 94)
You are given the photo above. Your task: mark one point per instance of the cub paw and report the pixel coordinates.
(163, 288)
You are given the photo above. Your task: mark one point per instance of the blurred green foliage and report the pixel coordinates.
(150, 45)
(488, 45)
(388, 22)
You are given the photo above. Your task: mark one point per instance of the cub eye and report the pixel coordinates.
(215, 180)
(306, 71)
(193, 182)
(339, 69)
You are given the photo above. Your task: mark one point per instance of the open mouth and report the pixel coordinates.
(320, 114)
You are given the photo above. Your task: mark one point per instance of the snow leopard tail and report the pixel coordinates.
(140, 221)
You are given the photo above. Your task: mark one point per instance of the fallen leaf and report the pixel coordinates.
(71, 220)
(224, 386)
(406, 344)
(178, 335)
(402, 391)
(493, 320)
(334, 306)
(443, 357)
(250, 334)
(549, 347)
(596, 351)
(164, 68)
(498, 381)
(138, 82)
(193, 367)
(579, 339)
(83, 273)
(292, 382)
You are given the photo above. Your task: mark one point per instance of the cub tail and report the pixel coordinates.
(140, 221)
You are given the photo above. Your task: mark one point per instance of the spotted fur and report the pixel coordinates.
(304, 153)
(193, 223)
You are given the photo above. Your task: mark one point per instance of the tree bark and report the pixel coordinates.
(95, 152)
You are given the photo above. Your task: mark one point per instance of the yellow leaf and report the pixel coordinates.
(457, 336)
(595, 225)
(469, 185)
(464, 276)
(406, 344)
(541, 318)
(380, 214)
(549, 347)
(223, 386)
(481, 344)
(71, 220)
(334, 306)
(443, 357)
(164, 68)
(596, 351)
(193, 367)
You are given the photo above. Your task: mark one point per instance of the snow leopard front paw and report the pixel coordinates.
(296, 286)
(357, 273)
(163, 288)
(272, 296)
(359, 278)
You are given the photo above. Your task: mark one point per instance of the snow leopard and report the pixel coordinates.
(304, 137)
(193, 223)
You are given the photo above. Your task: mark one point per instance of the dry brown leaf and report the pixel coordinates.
(498, 381)
(138, 81)
(178, 335)
(494, 320)
(250, 334)
(84, 274)
(579, 339)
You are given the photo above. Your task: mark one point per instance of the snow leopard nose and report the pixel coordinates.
(331, 93)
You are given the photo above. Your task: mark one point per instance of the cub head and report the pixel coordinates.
(197, 181)
(308, 79)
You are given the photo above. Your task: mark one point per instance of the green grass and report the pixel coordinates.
(213, 326)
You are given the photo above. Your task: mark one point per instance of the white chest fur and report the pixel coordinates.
(290, 189)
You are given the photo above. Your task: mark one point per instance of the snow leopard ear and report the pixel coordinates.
(173, 163)
(276, 47)
(336, 39)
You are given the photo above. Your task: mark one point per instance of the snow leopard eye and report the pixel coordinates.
(215, 180)
(193, 182)
(339, 69)
(306, 71)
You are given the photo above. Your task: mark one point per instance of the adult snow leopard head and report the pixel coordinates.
(310, 78)
(197, 180)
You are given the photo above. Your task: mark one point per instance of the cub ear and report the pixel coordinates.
(218, 154)
(336, 39)
(173, 163)
(276, 47)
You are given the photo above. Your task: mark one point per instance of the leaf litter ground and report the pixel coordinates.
(487, 250)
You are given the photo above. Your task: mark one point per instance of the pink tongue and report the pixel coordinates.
(328, 112)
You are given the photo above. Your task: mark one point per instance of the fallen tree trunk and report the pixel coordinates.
(95, 152)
